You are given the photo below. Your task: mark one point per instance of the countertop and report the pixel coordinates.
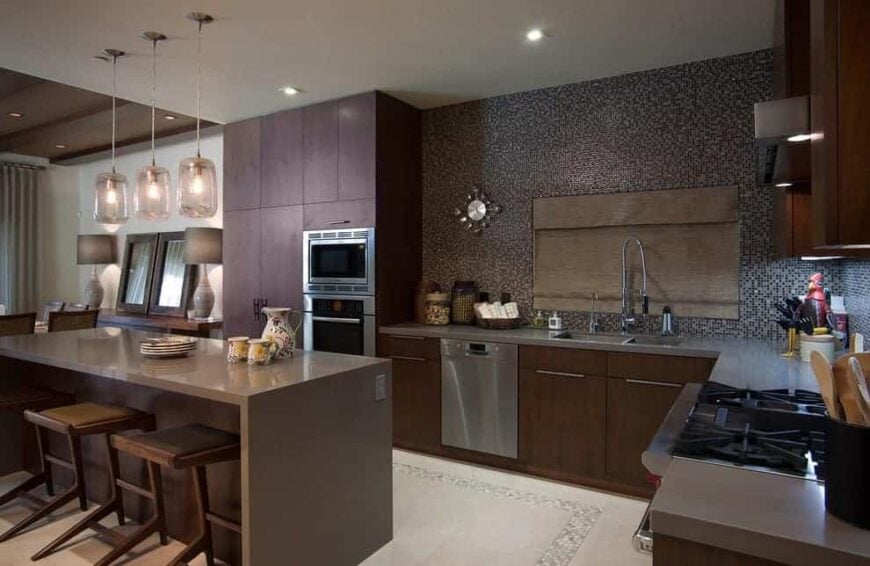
(767, 515)
(114, 353)
(740, 362)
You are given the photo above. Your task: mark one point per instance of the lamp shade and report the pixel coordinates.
(203, 245)
(95, 249)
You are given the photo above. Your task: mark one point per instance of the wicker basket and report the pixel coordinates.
(500, 323)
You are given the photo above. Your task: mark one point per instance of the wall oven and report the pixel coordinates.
(344, 324)
(339, 261)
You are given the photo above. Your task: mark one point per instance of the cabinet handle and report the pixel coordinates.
(558, 373)
(655, 383)
(265, 303)
(407, 337)
(337, 222)
(256, 308)
(408, 358)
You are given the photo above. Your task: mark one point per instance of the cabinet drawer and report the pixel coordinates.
(340, 214)
(674, 369)
(565, 361)
(414, 347)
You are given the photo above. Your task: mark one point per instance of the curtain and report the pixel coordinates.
(18, 238)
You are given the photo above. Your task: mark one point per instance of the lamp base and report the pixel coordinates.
(94, 291)
(203, 296)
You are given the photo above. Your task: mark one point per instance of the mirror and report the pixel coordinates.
(171, 287)
(134, 290)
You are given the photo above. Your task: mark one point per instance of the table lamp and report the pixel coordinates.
(95, 249)
(203, 246)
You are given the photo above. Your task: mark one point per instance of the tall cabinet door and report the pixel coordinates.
(321, 152)
(282, 159)
(357, 134)
(242, 165)
(281, 256)
(241, 271)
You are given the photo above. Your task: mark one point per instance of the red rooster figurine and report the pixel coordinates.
(816, 304)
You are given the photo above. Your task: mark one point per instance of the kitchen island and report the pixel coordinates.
(314, 484)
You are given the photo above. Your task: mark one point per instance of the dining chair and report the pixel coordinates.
(50, 307)
(58, 321)
(76, 307)
(12, 324)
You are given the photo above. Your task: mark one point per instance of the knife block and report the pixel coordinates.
(847, 484)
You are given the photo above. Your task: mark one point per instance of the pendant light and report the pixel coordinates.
(197, 182)
(151, 197)
(110, 194)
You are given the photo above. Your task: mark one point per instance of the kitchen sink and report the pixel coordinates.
(640, 339)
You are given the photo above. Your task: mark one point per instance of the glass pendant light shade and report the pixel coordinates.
(110, 198)
(197, 188)
(151, 198)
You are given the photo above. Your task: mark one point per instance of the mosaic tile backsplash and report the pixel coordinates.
(678, 127)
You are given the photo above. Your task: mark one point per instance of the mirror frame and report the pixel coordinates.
(187, 286)
(130, 240)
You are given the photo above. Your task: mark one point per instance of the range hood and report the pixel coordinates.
(782, 135)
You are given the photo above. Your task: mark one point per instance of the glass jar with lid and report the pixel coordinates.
(437, 309)
(462, 299)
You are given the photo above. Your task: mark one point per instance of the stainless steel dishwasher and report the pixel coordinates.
(479, 396)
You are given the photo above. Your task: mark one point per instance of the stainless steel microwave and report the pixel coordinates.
(339, 261)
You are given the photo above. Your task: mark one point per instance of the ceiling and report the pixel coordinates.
(426, 52)
(78, 120)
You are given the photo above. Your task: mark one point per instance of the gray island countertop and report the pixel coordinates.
(114, 353)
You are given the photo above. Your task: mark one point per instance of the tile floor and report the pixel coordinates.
(445, 513)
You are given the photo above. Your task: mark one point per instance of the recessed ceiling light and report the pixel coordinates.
(783, 185)
(60, 146)
(535, 35)
(289, 90)
(169, 117)
(15, 114)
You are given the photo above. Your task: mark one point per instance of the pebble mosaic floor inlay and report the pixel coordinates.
(567, 542)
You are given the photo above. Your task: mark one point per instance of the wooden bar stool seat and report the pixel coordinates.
(194, 447)
(74, 422)
(16, 399)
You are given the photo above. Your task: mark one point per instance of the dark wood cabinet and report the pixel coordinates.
(416, 392)
(241, 178)
(241, 271)
(282, 159)
(561, 424)
(635, 410)
(321, 152)
(340, 214)
(357, 136)
(840, 79)
(281, 256)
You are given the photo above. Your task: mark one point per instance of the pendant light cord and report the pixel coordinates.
(153, 95)
(114, 90)
(198, 86)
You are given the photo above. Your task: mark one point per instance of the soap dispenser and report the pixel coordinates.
(555, 321)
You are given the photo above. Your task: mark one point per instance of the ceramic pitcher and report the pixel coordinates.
(281, 330)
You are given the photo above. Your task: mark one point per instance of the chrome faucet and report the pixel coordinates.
(593, 318)
(628, 316)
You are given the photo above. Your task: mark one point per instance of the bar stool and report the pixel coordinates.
(186, 447)
(74, 422)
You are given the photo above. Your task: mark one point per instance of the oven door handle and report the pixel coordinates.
(336, 319)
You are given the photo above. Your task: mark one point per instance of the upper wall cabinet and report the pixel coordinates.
(321, 152)
(357, 133)
(242, 165)
(840, 69)
(282, 158)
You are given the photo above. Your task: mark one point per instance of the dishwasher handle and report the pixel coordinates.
(477, 349)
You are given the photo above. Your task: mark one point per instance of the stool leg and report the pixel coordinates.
(159, 509)
(203, 542)
(75, 448)
(114, 475)
(42, 443)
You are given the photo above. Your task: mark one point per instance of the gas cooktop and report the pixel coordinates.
(772, 431)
